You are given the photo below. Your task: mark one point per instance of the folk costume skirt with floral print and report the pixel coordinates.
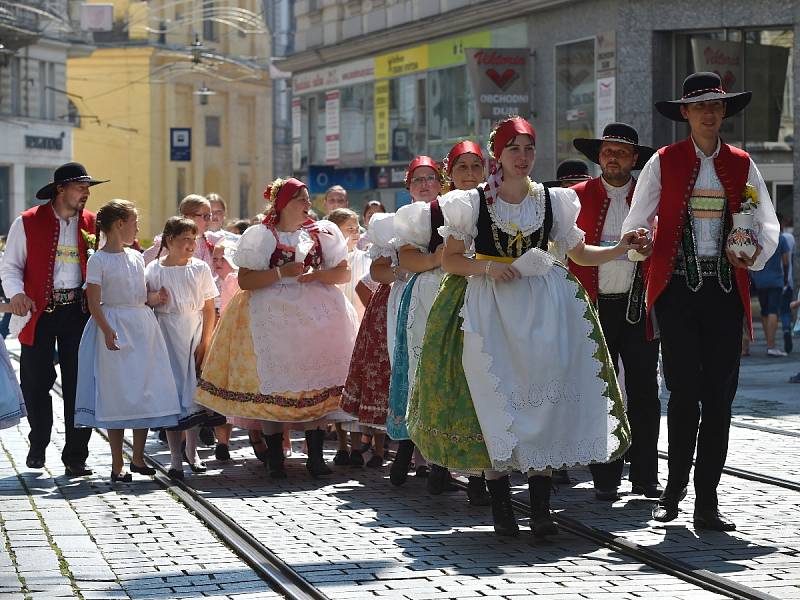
(281, 354)
(366, 391)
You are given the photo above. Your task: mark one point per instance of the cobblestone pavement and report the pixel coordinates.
(355, 536)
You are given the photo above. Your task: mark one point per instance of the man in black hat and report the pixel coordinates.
(617, 288)
(43, 272)
(569, 172)
(698, 290)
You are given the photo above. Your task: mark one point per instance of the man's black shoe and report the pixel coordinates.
(609, 495)
(79, 470)
(650, 490)
(35, 462)
(711, 519)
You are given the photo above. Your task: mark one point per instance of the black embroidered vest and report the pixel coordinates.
(493, 241)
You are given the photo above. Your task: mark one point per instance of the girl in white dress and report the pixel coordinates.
(124, 379)
(12, 404)
(187, 321)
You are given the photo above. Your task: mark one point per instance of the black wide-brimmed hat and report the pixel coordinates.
(572, 170)
(704, 87)
(70, 172)
(621, 133)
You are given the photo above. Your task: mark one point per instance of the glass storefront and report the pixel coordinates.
(35, 179)
(575, 95)
(746, 59)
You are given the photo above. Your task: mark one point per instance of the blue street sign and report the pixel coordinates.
(180, 143)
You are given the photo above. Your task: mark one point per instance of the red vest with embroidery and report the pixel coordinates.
(283, 255)
(41, 237)
(679, 168)
(591, 219)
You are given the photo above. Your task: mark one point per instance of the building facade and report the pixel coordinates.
(175, 100)
(395, 74)
(35, 112)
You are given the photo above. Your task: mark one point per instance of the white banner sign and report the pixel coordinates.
(332, 127)
(297, 131)
(351, 73)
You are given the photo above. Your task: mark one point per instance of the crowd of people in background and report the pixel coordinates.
(415, 326)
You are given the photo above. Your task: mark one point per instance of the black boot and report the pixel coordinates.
(502, 512)
(542, 521)
(439, 480)
(274, 462)
(402, 460)
(476, 491)
(315, 464)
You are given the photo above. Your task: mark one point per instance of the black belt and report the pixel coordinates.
(64, 297)
(620, 296)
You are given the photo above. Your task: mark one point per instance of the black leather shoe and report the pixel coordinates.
(650, 490)
(143, 470)
(341, 458)
(175, 474)
(78, 470)
(35, 462)
(609, 495)
(121, 478)
(665, 511)
(222, 452)
(712, 519)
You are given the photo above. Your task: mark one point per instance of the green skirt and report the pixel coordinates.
(441, 417)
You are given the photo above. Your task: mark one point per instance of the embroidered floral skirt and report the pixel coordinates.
(441, 417)
(366, 391)
(535, 369)
(280, 354)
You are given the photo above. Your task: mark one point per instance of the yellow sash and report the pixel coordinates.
(503, 259)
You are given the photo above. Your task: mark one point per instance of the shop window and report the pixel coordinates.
(575, 101)
(316, 129)
(758, 60)
(213, 137)
(407, 117)
(357, 125)
(5, 199)
(451, 109)
(35, 178)
(209, 26)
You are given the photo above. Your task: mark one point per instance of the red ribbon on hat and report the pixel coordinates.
(420, 161)
(508, 130)
(465, 147)
(286, 191)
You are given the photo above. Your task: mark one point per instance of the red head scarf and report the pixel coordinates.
(465, 147)
(421, 161)
(279, 193)
(507, 131)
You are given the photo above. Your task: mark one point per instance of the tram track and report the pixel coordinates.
(282, 578)
(274, 571)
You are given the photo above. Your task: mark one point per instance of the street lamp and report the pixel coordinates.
(197, 49)
(203, 93)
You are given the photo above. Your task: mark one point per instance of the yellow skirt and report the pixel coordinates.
(230, 383)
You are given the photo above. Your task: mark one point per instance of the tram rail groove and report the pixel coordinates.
(752, 476)
(765, 428)
(279, 575)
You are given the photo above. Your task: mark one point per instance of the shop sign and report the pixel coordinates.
(297, 130)
(332, 99)
(499, 78)
(450, 52)
(321, 178)
(381, 99)
(388, 177)
(403, 62)
(605, 92)
(40, 142)
(347, 74)
(180, 144)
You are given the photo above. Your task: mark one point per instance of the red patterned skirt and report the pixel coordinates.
(366, 391)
